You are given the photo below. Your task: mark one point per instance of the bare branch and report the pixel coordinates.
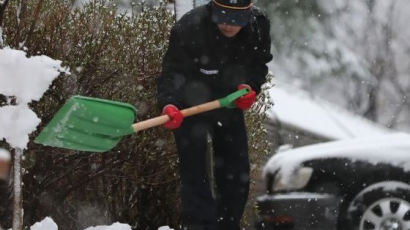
(3, 6)
(35, 19)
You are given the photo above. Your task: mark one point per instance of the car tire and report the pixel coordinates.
(382, 206)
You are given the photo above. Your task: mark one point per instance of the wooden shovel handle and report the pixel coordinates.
(157, 121)
(201, 108)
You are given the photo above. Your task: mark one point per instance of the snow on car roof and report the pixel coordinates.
(391, 148)
(295, 107)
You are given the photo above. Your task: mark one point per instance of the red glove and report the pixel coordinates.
(246, 101)
(174, 115)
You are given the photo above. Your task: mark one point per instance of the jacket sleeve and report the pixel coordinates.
(258, 68)
(176, 67)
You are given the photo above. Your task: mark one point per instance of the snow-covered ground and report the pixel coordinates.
(115, 226)
(392, 149)
(298, 109)
(165, 228)
(48, 224)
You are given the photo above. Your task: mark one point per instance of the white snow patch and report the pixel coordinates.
(393, 149)
(46, 224)
(387, 186)
(26, 79)
(295, 196)
(391, 186)
(165, 228)
(298, 109)
(115, 226)
(4, 155)
(16, 122)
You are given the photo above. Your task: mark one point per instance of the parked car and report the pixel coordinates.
(354, 184)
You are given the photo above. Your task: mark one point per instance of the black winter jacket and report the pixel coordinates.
(201, 64)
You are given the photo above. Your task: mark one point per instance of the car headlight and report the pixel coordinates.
(296, 180)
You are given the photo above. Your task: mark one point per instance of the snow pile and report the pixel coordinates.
(26, 79)
(49, 224)
(115, 226)
(392, 149)
(16, 123)
(46, 224)
(165, 228)
(298, 109)
(4, 155)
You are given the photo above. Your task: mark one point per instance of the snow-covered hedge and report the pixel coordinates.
(112, 56)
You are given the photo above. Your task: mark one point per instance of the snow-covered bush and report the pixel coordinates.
(113, 56)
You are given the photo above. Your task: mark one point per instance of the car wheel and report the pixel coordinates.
(383, 206)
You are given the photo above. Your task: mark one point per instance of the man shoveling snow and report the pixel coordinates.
(213, 50)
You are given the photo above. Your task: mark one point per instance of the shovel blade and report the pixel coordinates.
(88, 124)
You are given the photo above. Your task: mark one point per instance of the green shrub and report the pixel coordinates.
(110, 56)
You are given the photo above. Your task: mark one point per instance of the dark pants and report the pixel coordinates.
(231, 168)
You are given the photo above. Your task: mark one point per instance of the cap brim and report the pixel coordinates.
(222, 15)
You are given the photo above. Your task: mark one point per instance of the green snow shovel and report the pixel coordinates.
(97, 125)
